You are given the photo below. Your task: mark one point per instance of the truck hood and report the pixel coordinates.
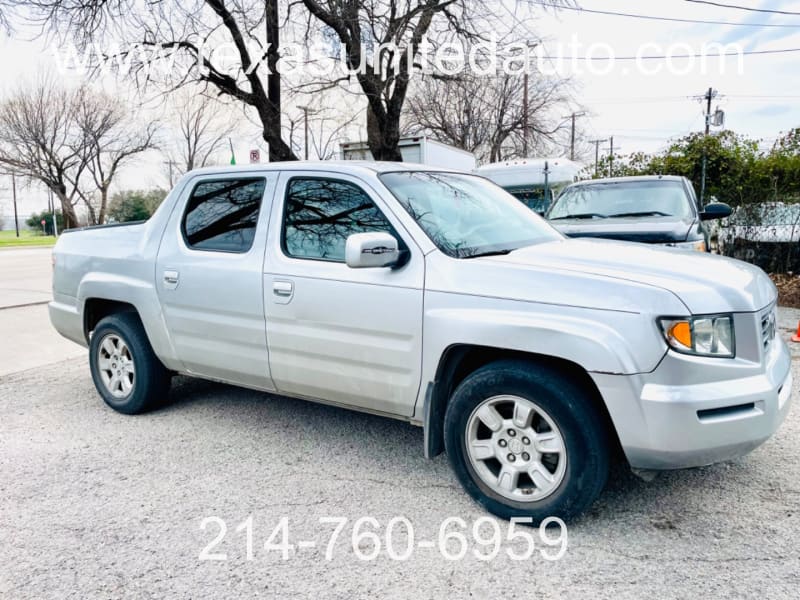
(705, 283)
(653, 230)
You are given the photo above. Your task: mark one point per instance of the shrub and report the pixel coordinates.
(35, 222)
(135, 205)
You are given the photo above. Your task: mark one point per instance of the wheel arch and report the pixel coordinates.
(96, 309)
(460, 360)
(101, 294)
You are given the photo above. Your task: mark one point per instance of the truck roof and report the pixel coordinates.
(629, 179)
(343, 166)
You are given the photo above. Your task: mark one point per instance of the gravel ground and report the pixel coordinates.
(97, 505)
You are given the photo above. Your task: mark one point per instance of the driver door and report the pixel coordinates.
(349, 336)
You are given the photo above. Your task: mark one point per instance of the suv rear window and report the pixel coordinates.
(222, 215)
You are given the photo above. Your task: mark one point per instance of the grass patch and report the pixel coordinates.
(9, 239)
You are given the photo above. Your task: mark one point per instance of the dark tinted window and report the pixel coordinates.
(222, 215)
(533, 198)
(320, 214)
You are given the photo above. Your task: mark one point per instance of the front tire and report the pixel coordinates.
(525, 441)
(125, 370)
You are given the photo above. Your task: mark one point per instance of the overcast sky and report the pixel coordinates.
(643, 112)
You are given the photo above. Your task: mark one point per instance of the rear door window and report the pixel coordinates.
(222, 215)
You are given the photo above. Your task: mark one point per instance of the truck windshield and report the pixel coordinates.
(624, 199)
(467, 216)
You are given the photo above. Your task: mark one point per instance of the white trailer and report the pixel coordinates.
(534, 181)
(421, 150)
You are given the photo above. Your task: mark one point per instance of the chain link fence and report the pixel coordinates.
(767, 235)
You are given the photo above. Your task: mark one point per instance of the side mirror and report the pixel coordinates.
(371, 250)
(715, 210)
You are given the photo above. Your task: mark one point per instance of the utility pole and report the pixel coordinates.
(14, 196)
(305, 119)
(573, 117)
(53, 212)
(710, 95)
(525, 116)
(597, 155)
(305, 110)
(547, 184)
(611, 158)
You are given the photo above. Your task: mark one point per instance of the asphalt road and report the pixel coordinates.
(94, 504)
(27, 339)
(25, 276)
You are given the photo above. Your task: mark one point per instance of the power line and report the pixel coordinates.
(650, 57)
(747, 8)
(514, 16)
(665, 99)
(660, 57)
(774, 97)
(656, 18)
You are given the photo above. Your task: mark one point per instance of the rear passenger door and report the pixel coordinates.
(209, 277)
(350, 336)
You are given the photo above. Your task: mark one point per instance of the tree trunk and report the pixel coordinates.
(382, 139)
(278, 150)
(101, 218)
(67, 210)
(92, 213)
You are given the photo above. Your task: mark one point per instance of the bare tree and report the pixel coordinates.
(74, 142)
(381, 41)
(179, 35)
(110, 139)
(485, 115)
(395, 30)
(203, 126)
(327, 128)
(39, 140)
(6, 16)
(384, 41)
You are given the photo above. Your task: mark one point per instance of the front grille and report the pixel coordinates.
(768, 326)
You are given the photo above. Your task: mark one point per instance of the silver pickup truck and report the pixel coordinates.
(437, 298)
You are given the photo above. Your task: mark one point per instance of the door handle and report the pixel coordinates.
(171, 279)
(284, 289)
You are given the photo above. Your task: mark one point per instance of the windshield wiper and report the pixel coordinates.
(581, 216)
(649, 213)
(490, 253)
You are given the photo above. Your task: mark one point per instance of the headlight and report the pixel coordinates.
(697, 245)
(701, 336)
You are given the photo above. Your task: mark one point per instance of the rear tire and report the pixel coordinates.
(125, 370)
(525, 441)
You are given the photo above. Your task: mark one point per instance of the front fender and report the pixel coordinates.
(597, 347)
(599, 341)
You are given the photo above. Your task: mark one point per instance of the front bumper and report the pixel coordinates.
(664, 425)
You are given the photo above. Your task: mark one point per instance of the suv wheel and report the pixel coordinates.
(525, 441)
(125, 370)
